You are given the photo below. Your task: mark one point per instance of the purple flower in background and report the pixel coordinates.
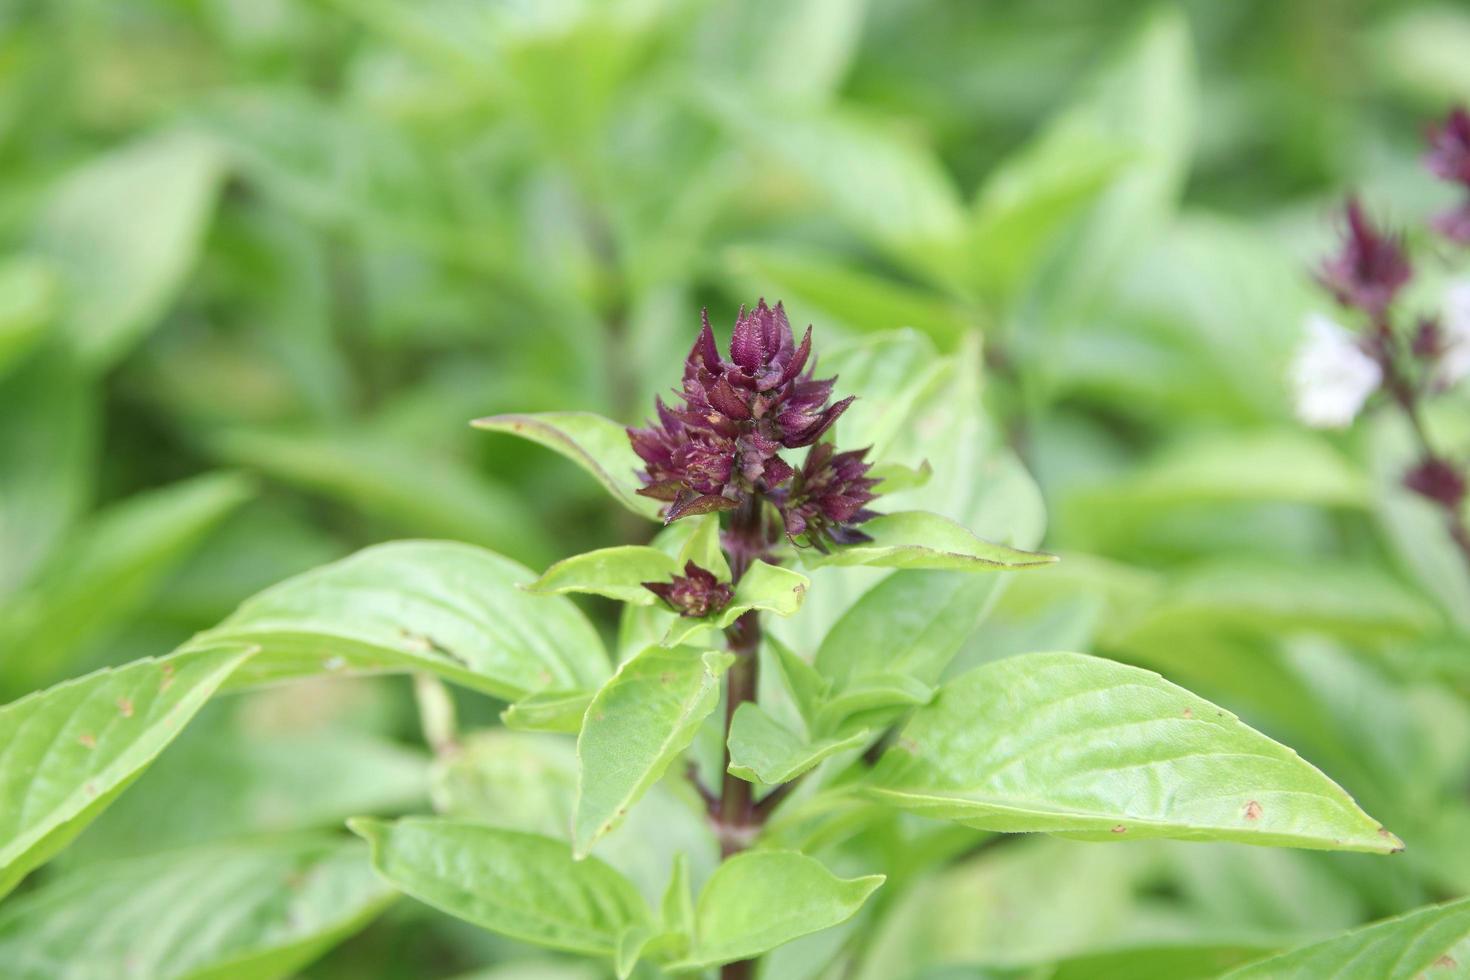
(696, 593)
(1370, 267)
(723, 444)
(1449, 148)
(1449, 158)
(829, 497)
(1438, 481)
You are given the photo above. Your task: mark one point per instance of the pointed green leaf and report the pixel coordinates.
(107, 567)
(801, 680)
(1427, 943)
(758, 900)
(896, 477)
(838, 292)
(48, 426)
(1084, 747)
(452, 609)
(912, 622)
(677, 908)
(704, 549)
(521, 885)
(919, 539)
(28, 299)
(66, 752)
(123, 232)
(762, 750)
(226, 778)
(617, 573)
(548, 711)
(598, 445)
(249, 909)
(528, 782)
(766, 587)
(413, 489)
(1030, 198)
(871, 701)
(636, 725)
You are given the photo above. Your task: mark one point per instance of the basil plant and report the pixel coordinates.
(801, 710)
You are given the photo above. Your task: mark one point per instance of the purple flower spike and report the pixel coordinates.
(696, 593)
(1370, 268)
(723, 445)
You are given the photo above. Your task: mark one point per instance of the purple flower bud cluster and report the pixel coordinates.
(1449, 159)
(697, 593)
(1370, 267)
(828, 496)
(720, 446)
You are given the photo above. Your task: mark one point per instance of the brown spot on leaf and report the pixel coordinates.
(1188, 711)
(88, 739)
(667, 677)
(1253, 810)
(1120, 829)
(90, 789)
(1445, 962)
(125, 707)
(909, 746)
(168, 678)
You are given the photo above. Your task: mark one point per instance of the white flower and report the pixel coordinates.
(1454, 362)
(1331, 375)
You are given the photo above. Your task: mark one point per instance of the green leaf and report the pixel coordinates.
(227, 778)
(48, 426)
(889, 188)
(871, 701)
(1027, 200)
(245, 910)
(598, 445)
(28, 299)
(453, 609)
(802, 681)
(762, 750)
(1426, 943)
(1074, 745)
(107, 568)
(896, 477)
(69, 750)
(703, 547)
(417, 491)
(528, 782)
(758, 900)
(548, 711)
(617, 573)
(1144, 101)
(521, 885)
(123, 233)
(770, 588)
(910, 623)
(677, 908)
(1286, 466)
(838, 293)
(636, 725)
(919, 539)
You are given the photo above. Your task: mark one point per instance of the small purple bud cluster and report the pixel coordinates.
(828, 496)
(721, 447)
(1449, 159)
(1370, 268)
(697, 593)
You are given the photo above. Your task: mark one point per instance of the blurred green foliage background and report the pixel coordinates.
(262, 260)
